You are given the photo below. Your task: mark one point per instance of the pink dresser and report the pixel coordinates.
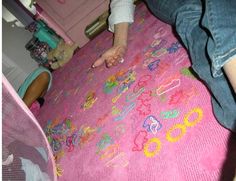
(69, 18)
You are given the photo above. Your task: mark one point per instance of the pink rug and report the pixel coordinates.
(147, 119)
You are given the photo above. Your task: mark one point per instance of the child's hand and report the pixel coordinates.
(115, 55)
(111, 57)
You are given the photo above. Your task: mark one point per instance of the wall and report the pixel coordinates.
(17, 63)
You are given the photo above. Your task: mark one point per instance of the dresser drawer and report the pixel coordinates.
(69, 13)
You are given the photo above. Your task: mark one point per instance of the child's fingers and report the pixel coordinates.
(109, 62)
(111, 57)
(115, 63)
(112, 61)
(98, 62)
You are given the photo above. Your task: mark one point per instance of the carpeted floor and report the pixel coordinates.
(147, 119)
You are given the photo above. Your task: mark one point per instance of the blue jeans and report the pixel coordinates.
(207, 28)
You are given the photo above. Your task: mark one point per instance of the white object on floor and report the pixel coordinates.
(32, 171)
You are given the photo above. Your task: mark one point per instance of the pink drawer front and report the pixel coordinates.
(77, 34)
(68, 13)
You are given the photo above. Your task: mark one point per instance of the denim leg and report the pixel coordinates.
(187, 17)
(196, 39)
(165, 9)
(220, 20)
(223, 101)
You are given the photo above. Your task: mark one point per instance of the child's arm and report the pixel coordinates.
(121, 16)
(115, 54)
(230, 70)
